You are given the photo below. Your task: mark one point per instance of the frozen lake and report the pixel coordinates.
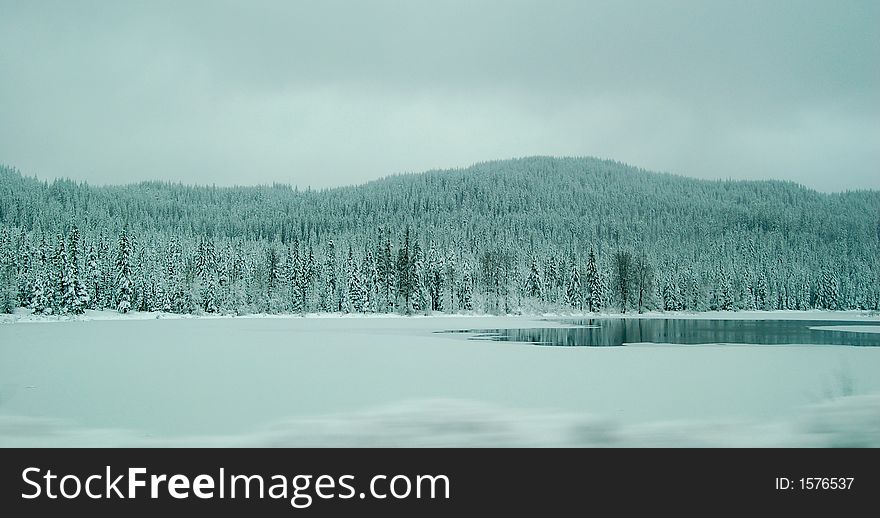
(361, 381)
(614, 332)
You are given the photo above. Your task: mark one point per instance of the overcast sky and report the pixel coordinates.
(327, 93)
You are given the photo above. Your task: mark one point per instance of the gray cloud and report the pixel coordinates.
(328, 93)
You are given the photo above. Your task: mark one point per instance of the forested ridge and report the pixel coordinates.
(524, 235)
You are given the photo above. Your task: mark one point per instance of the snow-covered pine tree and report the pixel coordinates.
(749, 295)
(37, 284)
(301, 280)
(294, 277)
(123, 272)
(491, 275)
(286, 280)
(803, 292)
(670, 296)
(370, 277)
(643, 272)
(59, 288)
(535, 281)
(237, 295)
(623, 277)
(310, 279)
(573, 290)
(7, 290)
(420, 299)
(827, 292)
(41, 300)
(6, 253)
(451, 281)
(93, 278)
(8, 284)
(77, 299)
(404, 273)
(352, 296)
(139, 282)
(596, 296)
(24, 270)
(725, 294)
(435, 279)
(105, 293)
(762, 301)
(224, 286)
(206, 273)
(388, 273)
(172, 293)
(330, 301)
(349, 292)
(274, 279)
(465, 288)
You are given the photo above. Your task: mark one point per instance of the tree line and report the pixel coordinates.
(530, 235)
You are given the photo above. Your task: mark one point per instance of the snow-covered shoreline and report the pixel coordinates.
(22, 315)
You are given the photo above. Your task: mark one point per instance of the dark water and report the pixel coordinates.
(605, 332)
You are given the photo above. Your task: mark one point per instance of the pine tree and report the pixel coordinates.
(419, 279)
(644, 276)
(761, 300)
(310, 271)
(573, 294)
(93, 278)
(535, 281)
(42, 292)
(623, 266)
(109, 275)
(594, 284)
(209, 296)
(123, 273)
(404, 273)
(551, 278)
(353, 296)
(330, 286)
(386, 267)
(435, 279)
(41, 300)
(6, 255)
(77, 297)
(370, 276)
(670, 294)
(139, 283)
(272, 274)
(827, 294)
(348, 290)
(8, 284)
(174, 298)
(749, 296)
(61, 290)
(7, 289)
(295, 278)
(466, 287)
(273, 269)
(725, 294)
(451, 280)
(25, 272)
(209, 277)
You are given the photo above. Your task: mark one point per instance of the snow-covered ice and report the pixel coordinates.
(393, 381)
